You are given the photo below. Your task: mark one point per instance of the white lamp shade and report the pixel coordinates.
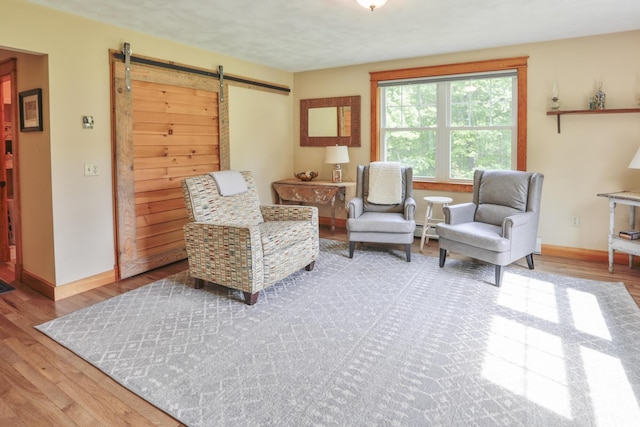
(336, 154)
(635, 162)
(371, 4)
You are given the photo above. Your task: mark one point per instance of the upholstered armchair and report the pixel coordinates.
(235, 242)
(382, 219)
(499, 225)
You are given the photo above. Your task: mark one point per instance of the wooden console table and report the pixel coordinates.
(615, 243)
(314, 192)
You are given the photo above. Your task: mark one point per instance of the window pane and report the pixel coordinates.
(502, 102)
(413, 148)
(411, 106)
(479, 149)
(481, 102)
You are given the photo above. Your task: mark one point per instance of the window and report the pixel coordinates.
(447, 121)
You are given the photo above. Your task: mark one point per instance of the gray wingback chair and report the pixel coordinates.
(500, 224)
(235, 242)
(369, 222)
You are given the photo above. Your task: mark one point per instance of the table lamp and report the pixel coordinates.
(635, 162)
(336, 154)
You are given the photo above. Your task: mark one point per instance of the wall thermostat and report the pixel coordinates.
(87, 122)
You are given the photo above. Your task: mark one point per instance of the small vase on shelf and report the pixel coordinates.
(599, 98)
(555, 102)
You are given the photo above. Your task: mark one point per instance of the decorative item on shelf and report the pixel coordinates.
(630, 234)
(306, 176)
(371, 4)
(599, 98)
(555, 102)
(336, 154)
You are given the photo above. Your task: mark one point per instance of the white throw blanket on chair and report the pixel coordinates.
(385, 183)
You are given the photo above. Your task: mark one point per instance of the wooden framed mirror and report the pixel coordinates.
(330, 121)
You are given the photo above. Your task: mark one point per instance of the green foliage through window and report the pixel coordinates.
(446, 129)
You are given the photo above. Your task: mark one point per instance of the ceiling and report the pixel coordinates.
(303, 35)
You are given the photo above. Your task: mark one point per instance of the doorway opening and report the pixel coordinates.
(8, 134)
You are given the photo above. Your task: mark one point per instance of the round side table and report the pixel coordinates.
(429, 220)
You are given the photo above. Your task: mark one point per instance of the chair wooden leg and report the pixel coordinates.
(198, 283)
(310, 266)
(352, 247)
(407, 250)
(249, 298)
(530, 261)
(499, 271)
(443, 257)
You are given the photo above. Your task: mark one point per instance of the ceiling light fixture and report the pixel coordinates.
(371, 4)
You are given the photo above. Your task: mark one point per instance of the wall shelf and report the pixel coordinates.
(559, 113)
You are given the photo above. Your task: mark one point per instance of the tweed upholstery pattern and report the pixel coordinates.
(235, 242)
(209, 247)
(204, 202)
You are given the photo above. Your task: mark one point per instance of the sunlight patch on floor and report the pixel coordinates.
(528, 295)
(586, 313)
(611, 393)
(528, 362)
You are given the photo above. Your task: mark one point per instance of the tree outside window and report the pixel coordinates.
(448, 120)
(445, 129)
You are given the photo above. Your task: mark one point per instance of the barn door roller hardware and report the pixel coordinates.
(221, 78)
(126, 51)
(228, 79)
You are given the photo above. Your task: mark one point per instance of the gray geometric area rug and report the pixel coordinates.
(373, 340)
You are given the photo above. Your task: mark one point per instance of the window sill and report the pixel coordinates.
(443, 186)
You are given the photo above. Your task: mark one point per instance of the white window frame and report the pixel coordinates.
(444, 127)
(490, 65)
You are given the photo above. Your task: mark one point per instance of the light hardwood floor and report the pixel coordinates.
(43, 384)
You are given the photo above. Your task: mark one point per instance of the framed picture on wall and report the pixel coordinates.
(31, 110)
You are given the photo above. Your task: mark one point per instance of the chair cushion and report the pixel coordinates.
(504, 188)
(476, 234)
(381, 222)
(501, 194)
(279, 235)
(494, 214)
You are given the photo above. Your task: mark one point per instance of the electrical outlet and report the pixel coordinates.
(575, 221)
(91, 169)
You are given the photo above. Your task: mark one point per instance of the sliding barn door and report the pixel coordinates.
(166, 127)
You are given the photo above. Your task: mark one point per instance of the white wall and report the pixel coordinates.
(590, 156)
(261, 134)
